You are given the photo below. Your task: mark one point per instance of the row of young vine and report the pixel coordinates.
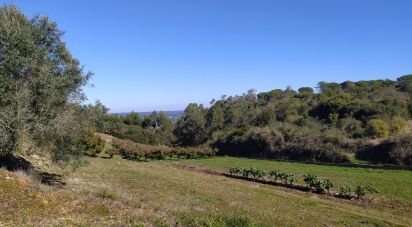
(311, 182)
(144, 152)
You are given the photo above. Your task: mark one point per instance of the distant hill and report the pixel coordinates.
(174, 115)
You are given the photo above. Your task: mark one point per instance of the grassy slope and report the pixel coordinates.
(391, 184)
(120, 191)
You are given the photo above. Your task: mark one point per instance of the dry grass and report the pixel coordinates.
(116, 191)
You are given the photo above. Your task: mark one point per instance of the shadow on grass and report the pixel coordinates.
(17, 163)
(291, 186)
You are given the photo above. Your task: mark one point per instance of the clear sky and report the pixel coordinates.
(162, 55)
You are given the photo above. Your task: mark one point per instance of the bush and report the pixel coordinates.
(235, 171)
(377, 128)
(345, 191)
(395, 150)
(314, 149)
(398, 125)
(92, 144)
(310, 180)
(321, 186)
(361, 191)
(275, 175)
(269, 143)
(328, 185)
(253, 142)
(137, 151)
(291, 179)
(111, 151)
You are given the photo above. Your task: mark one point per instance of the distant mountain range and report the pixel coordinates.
(174, 115)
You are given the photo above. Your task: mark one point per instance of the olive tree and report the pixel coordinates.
(40, 86)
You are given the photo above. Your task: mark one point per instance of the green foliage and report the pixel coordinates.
(327, 185)
(40, 89)
(327, 126)
(214, 220)
(145, 152)
(291, 179)
(252, 172)
(398, 125)
(191, 128)
(111, 152)
(405, 83)
(157, 128)
(361, 191)
(310, 180)
(345, 191)
(394, 150)
(235, 171)
(377, 128)
(106, 194)
(132, 119)
(275, 174)
(92, 144)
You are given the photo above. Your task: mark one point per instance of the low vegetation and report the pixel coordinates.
(144, 152)
(394, 186)
(396, 150)
(122, 192)
(290, 180)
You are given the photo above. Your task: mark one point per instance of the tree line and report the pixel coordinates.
(368, 120)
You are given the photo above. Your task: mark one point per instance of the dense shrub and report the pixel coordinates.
(92, 144)
(377, 128)
(269, 143)
(398, 125)
(314, 149)
(395, 150)
(111, 151)
(253, 142)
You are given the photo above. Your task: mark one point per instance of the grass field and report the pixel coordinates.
(395, 185)
(117, 191)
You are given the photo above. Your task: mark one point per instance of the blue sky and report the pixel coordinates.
(162, 55)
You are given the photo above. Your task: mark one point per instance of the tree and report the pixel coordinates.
(164, 122)
(41, 83)
(306, 90)
(405, 83)
(190, 129)
(216, 117)
(133, 119)
(251, 96)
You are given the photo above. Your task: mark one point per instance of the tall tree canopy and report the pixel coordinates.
(40, 82)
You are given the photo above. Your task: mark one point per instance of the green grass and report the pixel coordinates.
(391, 184)
(121, 192)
